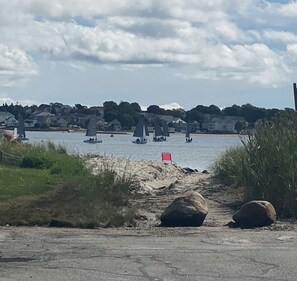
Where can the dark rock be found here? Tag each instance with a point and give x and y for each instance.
(205, 172)
(255, 214)
(189, 170)
(187, 210)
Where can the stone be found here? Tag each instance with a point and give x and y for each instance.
(189, 209)
(255, 214)
(189, 170)
(205, 172)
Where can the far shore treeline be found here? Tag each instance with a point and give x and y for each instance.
(126, 114)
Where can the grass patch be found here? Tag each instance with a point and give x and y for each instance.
(50, 187)
(16, 182)
(266, 164)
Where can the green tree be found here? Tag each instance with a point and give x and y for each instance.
(234, 110)
(212, 109)
(111, 111)
(136, 107)
(155, 109)
(80, 109)
(194, 115)
(252, 113)
(177, 113)
(127, 121)
(110, 106)
(110, 115)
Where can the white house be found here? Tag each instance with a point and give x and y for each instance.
(222, 124)
(179, 125)
(115, 125)
(10, 122)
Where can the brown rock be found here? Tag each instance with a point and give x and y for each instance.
(255, 214)
(187, 210)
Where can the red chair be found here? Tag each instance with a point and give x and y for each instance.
(166, 156)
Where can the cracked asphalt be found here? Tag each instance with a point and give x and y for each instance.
(204, 253)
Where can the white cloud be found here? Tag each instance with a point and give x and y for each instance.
(16, 67)
(144, 107)
(255, 63)
(6, 99)
(171, 106)
(216, 39)
(280, 36)
(287, 9)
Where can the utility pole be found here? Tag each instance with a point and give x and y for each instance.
(295, 95)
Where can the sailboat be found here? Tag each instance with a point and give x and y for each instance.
(92, 131)
(188, 137)
(141, 132)
(158, 134)
(165, 130)
(20, 130)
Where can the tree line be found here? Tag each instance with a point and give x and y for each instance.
(128, 113)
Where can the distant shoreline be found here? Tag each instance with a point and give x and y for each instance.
(110, 132)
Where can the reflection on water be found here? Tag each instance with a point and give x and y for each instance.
(198, 154)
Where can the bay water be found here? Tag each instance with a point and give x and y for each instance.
(199, 154)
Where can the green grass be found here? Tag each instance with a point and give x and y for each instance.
(230, 166)
(15, 182)
(49, 187)
(266, 164)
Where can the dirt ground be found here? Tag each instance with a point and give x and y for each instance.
(158, 183)
(221, 203)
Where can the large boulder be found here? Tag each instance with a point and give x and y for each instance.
(255, 214)
(189, 209)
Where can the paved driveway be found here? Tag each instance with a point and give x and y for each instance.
(204, 253)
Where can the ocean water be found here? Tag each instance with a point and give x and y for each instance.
(199, 154)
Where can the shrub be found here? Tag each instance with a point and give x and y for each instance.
(266, 165)
(230, 166)
(33, 161)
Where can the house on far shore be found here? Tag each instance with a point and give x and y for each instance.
(5, 115)
(10, 122)
(114, 125)
(30, 123)
(101, 124)
(179, 125)
(222, 124)
(195, 127)
(44, 118)
(59, 122)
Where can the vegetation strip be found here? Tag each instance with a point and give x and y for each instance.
(50, 187)
(266, 164)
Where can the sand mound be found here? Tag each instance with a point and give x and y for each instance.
(149, 176)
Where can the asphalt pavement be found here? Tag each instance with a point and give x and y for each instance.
(206, 253)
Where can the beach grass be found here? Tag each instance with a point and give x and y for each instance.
(49, 187)
(266, 164)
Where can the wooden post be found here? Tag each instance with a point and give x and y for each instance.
(295, 95)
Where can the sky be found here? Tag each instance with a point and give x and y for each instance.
(153, 52)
